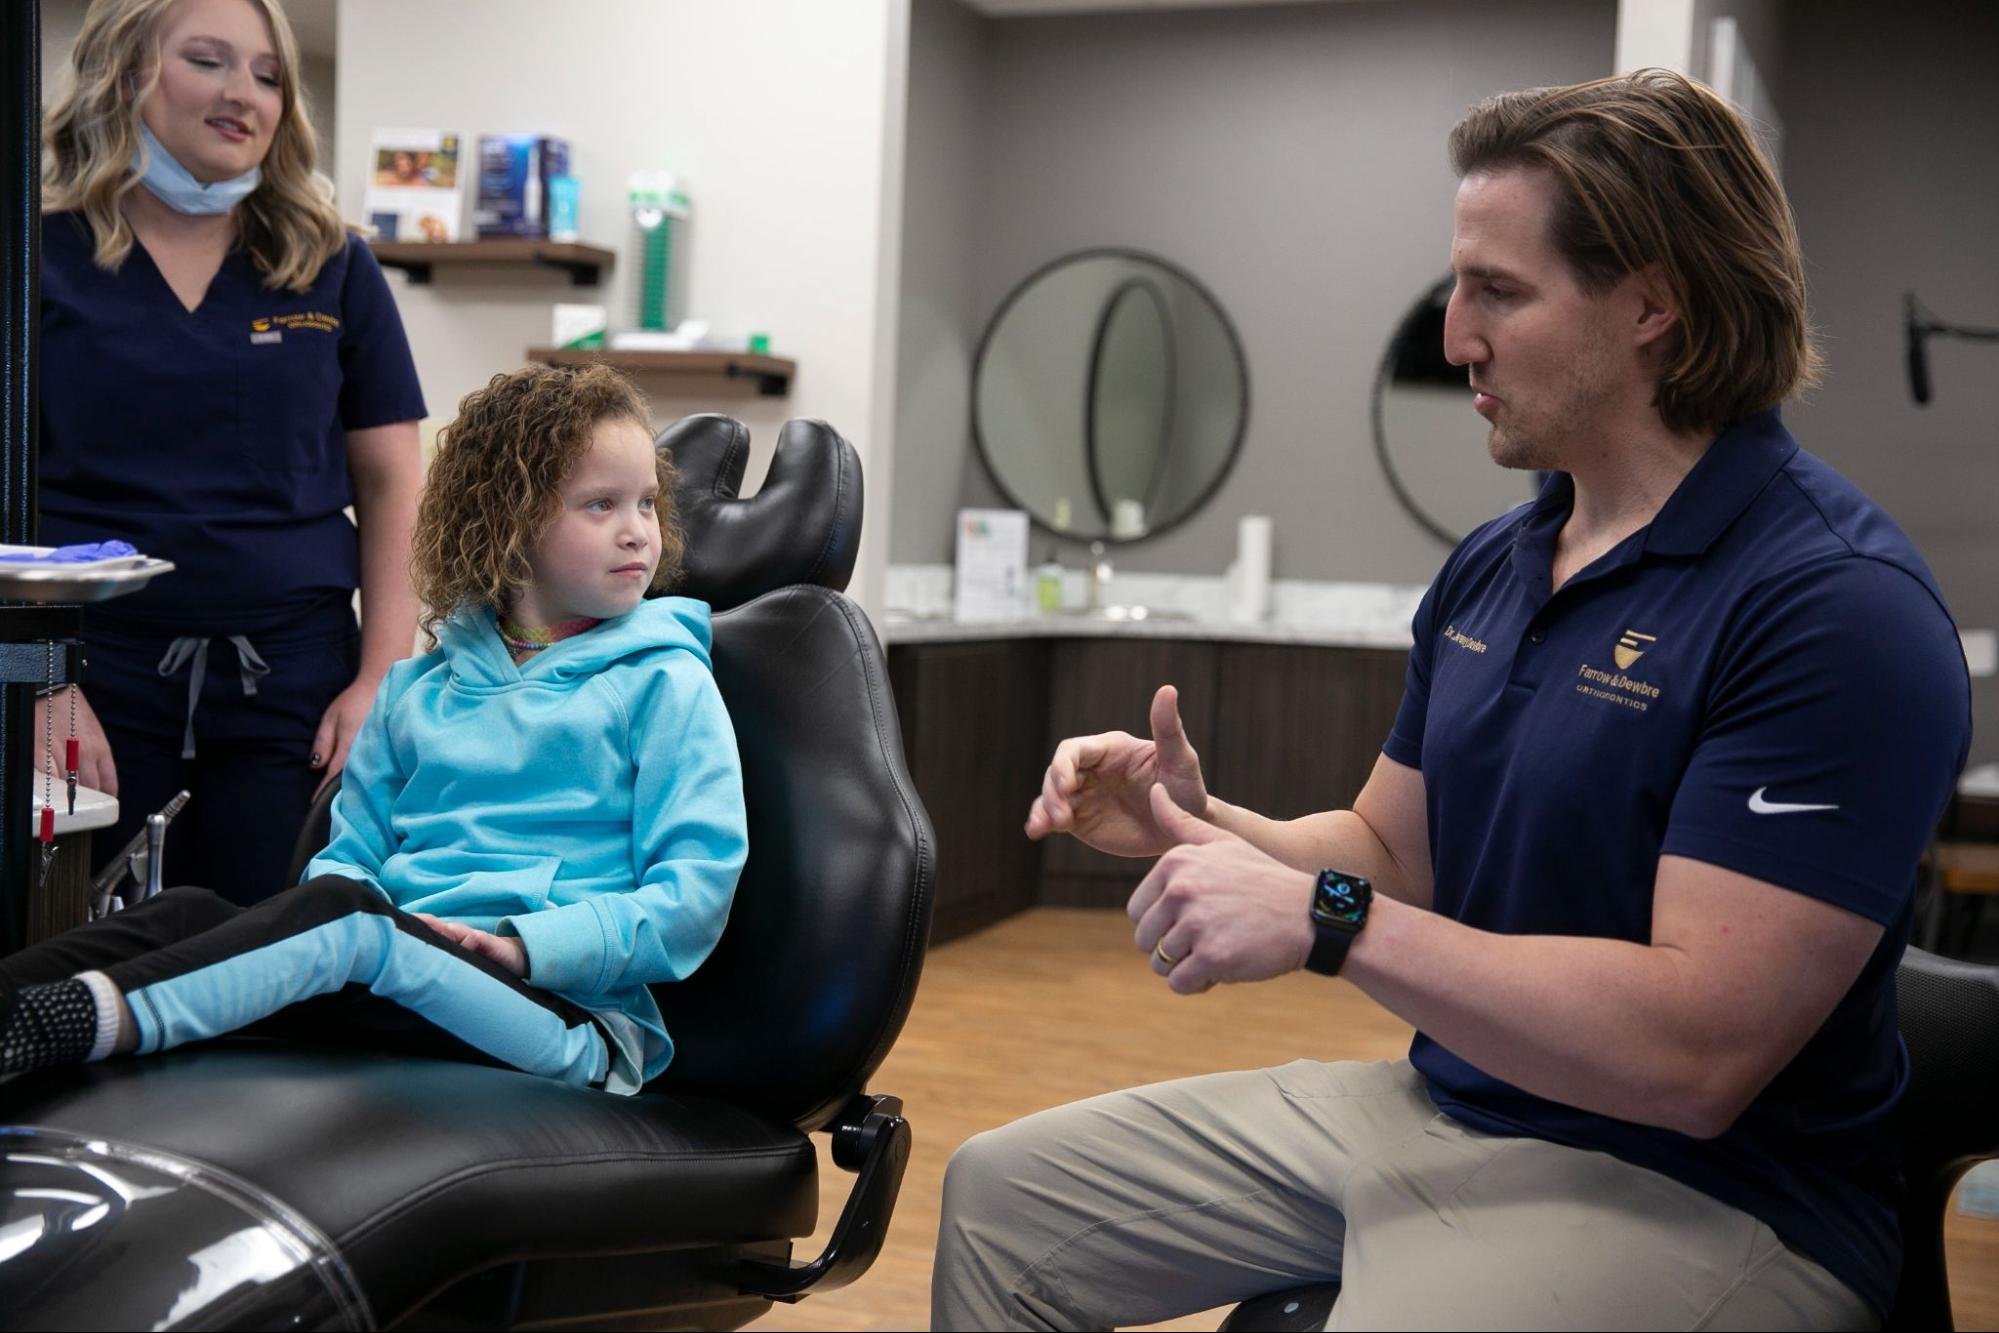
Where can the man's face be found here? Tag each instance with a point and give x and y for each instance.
(1546, 363)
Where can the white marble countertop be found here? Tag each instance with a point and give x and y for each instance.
(1333, 615)
(905, 629)
(1980, 781)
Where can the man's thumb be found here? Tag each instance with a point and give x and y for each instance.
(1168, 732)
(1176, 823)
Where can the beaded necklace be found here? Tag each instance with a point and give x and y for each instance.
(534, 638)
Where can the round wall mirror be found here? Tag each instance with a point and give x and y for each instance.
(1109, 396)
(1431, 444)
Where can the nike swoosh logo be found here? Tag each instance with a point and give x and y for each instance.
(1763, 807)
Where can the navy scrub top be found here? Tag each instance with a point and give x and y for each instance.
(1766, 679)
(214, 438)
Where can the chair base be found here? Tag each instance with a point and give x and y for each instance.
(679, 1289)
(1295, 1310)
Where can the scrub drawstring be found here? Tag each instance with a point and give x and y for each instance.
(183, 651)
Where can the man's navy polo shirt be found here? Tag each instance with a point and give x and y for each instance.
(214, 438)
(1765, 679)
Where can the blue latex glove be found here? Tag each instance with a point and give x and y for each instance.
(81, 553)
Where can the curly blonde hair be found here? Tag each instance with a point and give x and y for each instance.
(288, 225)
(496, 484)
(1653, 168)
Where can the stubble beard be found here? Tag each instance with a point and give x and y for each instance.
(1544, 442)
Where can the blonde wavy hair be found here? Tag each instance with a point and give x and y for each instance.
(288, 225)
(495, 484)
(1653, 168)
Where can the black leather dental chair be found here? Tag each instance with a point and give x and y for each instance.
(246, 1183)
(1948, 1122)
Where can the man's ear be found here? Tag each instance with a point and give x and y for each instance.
(1658, 311)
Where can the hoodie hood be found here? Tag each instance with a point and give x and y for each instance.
(478, 660)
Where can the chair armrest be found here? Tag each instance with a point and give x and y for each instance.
(870, 1137)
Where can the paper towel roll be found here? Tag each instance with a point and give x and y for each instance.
(1127, 520)
(1252, 568)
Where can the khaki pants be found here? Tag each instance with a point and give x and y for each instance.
(1155, 1202)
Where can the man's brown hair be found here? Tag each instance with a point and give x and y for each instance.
(496, 483)
(1651, 168)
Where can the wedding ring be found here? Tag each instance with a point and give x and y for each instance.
(1159, 952)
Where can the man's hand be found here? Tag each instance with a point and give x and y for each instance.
(94, 768)
(505, 950)
(1218, 908)
(1099, 787)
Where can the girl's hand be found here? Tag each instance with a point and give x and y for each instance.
(339, 727)
(93, 750)
(505, 950)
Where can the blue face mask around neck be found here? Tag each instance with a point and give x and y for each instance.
(175, 187)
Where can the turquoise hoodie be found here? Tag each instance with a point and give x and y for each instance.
(589, 802)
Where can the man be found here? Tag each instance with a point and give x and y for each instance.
(1636, 860)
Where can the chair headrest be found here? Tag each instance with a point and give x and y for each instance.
(802, 526)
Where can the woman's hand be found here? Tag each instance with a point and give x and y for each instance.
(505, 950)
(93, 750)
(339, 727)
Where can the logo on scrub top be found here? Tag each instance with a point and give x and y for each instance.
(1632, 647)
(271, 328)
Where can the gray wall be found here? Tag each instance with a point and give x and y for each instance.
(1893, 170)
(1292, 158)
(940, 319)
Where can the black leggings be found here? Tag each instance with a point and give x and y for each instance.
(328, 961)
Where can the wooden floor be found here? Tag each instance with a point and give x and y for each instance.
(1054, 1005)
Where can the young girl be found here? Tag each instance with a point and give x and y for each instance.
(538, 818)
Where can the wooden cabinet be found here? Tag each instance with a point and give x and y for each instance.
(1281, 729)
(973, 718)
(1107, 685)
(1298, 729)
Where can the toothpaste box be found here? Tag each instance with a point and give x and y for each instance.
(514, 171)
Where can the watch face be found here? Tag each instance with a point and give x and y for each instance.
(1341, 900)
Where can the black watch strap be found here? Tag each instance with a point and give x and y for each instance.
(1339, 910)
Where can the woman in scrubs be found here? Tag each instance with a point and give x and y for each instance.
(223, 374)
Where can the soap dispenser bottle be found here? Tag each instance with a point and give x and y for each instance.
(1048, 585)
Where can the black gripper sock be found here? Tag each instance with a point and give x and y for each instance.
(50, 1025)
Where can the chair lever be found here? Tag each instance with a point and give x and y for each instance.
(869, 1137)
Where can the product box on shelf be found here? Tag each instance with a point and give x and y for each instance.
(414, 190)
(514, 172)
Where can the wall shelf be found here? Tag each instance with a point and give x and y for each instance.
(585, 264)
(728, 374)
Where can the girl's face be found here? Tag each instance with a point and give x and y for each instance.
(597, 557)
(219, 97)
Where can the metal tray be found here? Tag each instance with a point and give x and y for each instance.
(91, 581)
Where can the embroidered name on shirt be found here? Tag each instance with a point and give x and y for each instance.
(269, 328)
(1463, 640)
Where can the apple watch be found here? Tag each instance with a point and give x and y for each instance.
(1339, 910)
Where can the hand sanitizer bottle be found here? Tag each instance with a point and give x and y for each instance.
(1048, 585)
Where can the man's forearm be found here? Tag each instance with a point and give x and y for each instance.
(1593, 1023)
(1340, 839)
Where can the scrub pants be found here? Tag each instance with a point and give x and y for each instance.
(251, 726)
(328, 961)
(1142, 1205)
